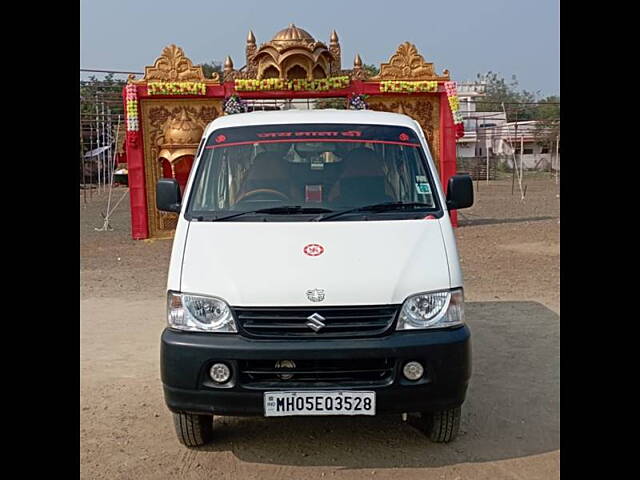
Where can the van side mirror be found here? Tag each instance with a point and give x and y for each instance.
(459, 192)
(168, 196)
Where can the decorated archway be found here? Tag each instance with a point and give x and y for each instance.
(168, 109)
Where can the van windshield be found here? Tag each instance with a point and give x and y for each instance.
(313, 168)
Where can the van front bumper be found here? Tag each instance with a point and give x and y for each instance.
(186, 358)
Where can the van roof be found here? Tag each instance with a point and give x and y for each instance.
(330, 115)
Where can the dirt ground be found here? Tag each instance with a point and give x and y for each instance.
(511, 420)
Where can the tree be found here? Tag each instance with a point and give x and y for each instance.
(498, 91)
(547, 114)
(371, 70)
(107, 91)
(211, 67)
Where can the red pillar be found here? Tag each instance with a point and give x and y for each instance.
(137, 190)
(447, 148)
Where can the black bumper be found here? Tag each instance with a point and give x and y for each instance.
(186, 358)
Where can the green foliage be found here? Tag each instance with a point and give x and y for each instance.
(521, 106)
(211, 67)
(548, 108)
(94, 91)
(337, 103)
(548, 116)
(498, 91)
(371, 70)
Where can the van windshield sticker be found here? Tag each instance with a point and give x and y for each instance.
(296, 133)
(350, 133)
(423, 188)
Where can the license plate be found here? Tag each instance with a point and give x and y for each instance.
(283, 404)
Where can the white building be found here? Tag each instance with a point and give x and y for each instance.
(489, 135)
(469, 146)
(521, 141)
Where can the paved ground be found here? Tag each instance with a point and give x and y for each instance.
(510, 427)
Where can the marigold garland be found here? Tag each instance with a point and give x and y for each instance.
(408, 87)
(132, 120)
(452, 97)
(297, 85)
(132, 108)
(176, 88)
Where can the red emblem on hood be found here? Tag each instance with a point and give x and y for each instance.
(313, 249)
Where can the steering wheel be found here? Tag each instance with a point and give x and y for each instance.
(268, 191)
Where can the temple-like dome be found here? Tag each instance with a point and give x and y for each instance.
(292, 34)
(292, 54)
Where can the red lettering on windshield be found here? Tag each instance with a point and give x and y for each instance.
(352, 133)
(274, 134)
(316, 134)
(349, 133)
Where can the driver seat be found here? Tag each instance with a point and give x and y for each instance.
(268, 171)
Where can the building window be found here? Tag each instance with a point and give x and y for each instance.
(528, 151)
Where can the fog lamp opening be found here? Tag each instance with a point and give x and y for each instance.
(220, 373)
(413, 370)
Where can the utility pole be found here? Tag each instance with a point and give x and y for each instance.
(557, 156)
(97, 138)
(513, 169)
(487, 145)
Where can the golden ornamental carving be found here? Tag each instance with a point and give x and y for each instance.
(173, 66)
(228, 73)
(334, 49)
(180, 137)
(291, 54)
(292, 34)
(173, 129)
(358, 73)
(425, 110)
(408, 64)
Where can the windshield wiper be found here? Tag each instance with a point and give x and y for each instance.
(284, 210)
(376, 207)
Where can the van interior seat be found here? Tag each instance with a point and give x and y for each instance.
(268, 171)
(363, 180)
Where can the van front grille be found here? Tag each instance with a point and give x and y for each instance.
(325, 373)
(327, 322)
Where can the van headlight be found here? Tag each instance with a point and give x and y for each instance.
(199, 314)
(432, 310)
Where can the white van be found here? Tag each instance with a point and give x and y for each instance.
(314, 271)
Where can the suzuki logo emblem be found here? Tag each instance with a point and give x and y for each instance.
(315, 295)
(315, 322)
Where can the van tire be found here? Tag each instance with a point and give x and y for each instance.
(193, 430)
(442, 426)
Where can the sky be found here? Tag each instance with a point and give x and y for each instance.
(467, 37)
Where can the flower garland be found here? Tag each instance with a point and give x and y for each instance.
(408, 87)
(234, 104)
(357, 102)
(299, 84)
(452, 96)
(176, 88)
(133, 122)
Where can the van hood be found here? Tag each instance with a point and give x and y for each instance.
(362, 263)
